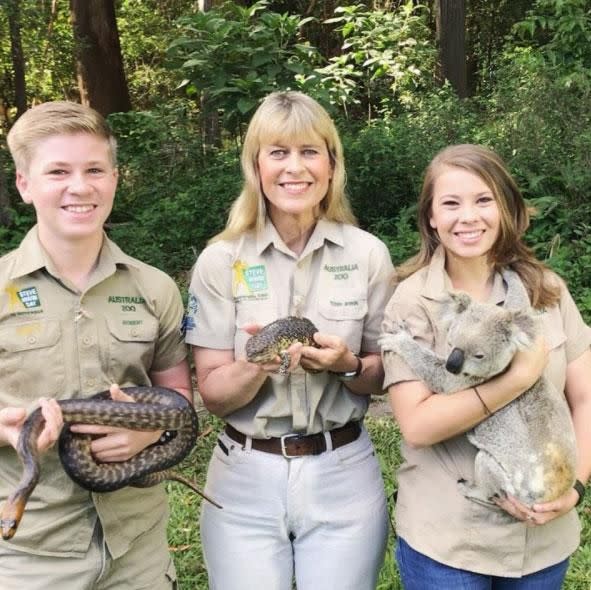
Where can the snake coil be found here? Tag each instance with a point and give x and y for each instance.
(155, 408)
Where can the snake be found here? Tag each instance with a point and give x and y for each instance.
(155, 408)
(275, 338)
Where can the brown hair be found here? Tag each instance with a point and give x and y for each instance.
(509, 249)
(281, 116)
(55, 118)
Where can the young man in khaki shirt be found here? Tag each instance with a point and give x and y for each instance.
(76, 316)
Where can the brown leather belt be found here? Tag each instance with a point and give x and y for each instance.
(299, 445)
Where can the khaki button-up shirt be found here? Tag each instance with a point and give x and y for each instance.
(431, 513)
(341, 281)
(58, 342)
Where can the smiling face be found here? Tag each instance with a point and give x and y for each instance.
(464, 213)
(295, 175)
(71, 182)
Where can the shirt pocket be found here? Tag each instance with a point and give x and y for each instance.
(131, 349)
(32, 360)
(342, 314)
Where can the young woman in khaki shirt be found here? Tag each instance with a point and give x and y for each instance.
(471, 218)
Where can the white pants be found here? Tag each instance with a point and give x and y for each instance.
(321, 518)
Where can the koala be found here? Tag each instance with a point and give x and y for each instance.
(527, 448)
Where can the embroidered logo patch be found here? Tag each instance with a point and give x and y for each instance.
(248, 280)
(190, 320)
(29, 297)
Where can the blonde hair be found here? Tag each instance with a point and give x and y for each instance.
(286, 116)
(509, 250)
(55, 118)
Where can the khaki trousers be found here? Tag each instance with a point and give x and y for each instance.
(146, 566)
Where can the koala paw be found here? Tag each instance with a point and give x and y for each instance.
(394, 327)
(394, 335)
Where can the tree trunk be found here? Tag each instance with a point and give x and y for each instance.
(451, 28)
(5, 217)
(18, 60)
(101, 78)
(210, 122)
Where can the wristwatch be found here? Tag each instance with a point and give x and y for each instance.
(350, 375)
(580, 488)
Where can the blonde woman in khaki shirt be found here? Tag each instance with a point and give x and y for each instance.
(471, 220)
(294, 468)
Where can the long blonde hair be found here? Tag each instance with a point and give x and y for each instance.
(286, 116)
(509, 249)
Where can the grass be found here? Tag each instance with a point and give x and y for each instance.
(183, 529)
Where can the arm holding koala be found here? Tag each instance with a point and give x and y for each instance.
(578, 394)
(426, 418)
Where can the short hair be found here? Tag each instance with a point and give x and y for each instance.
(287, 115)
(55, 118)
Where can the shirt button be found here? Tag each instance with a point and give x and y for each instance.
(90, 382)
(87, 340)
(134, 332)
(32, 339)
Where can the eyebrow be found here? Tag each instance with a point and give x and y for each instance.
(459, 196)
(63, 163)
(282, 145)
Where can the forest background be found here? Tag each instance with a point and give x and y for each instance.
(179, 80)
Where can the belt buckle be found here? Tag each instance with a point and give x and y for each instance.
(284, 450)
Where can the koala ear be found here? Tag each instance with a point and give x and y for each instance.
(524, 328)
(455, 304)
(461, 301)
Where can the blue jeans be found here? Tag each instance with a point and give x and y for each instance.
(419, 572)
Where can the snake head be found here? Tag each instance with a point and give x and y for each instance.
(11, 516)
(9, 526)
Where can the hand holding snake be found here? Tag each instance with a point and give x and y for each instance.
(156, 408)
(116, 443)
(12, 420)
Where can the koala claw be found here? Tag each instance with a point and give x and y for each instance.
(388, 342)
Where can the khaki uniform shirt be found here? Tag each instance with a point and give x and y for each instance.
(431, 514)
(341, 282)
(60, 343)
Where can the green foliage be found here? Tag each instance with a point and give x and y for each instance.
(562, 238)
(386, 160)
(47, 43)
(145, 29)
(537, 114)
(171, 197)
(561, 30)
(386, 57)
(236, 56)
(23, 218)
(400, 234)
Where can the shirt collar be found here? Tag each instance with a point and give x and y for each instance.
(324, 231)
(31, 256)
(438, 283)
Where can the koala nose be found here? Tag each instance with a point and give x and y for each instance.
(455, 361)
